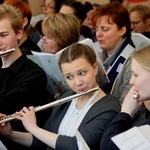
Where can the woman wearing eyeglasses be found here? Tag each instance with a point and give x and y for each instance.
(140, 19)
(49, 7)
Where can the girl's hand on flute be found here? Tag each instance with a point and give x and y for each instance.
(28, 118)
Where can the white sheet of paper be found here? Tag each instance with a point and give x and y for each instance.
(145, 129)
(132, 139)
(2, 147)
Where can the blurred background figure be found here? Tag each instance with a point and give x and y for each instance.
(49, 7)
(140, 19)
(88, 21)
(80, 11)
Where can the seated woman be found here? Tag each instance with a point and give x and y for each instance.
(89, 114)
(48, 7)
(140, 66)
(60, 31)
(114, 39)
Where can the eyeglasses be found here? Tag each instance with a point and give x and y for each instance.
(47, 40)
(134, 23)
(47, 6)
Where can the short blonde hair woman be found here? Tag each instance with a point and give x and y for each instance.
(60, 30)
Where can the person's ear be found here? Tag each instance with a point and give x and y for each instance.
(95, 67)
(19, 34)
(25, 21)
(147, 21)
(123, 31)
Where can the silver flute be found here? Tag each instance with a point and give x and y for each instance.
(55, 103)
(7, 51)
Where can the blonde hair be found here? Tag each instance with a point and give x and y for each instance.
(13, 14)
(142, 57)
(63, 28)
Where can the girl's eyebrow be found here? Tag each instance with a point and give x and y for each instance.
(3, 32)
(77, 71)
(66, 74)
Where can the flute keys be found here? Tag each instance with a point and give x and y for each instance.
(7, 118)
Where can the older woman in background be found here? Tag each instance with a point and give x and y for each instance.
(49, 7)
(114, 38)
(140, 19)
(60, 31)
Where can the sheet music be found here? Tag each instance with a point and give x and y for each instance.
(49, 63)
(144, 129)
(132, 139)
(2, 147)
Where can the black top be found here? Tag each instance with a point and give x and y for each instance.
(120, 123)
(28, 45)
(22, 84)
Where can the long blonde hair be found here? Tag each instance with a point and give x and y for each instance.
(142, 57)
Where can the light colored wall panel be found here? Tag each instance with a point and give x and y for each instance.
(35, 6)
(97, 1)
